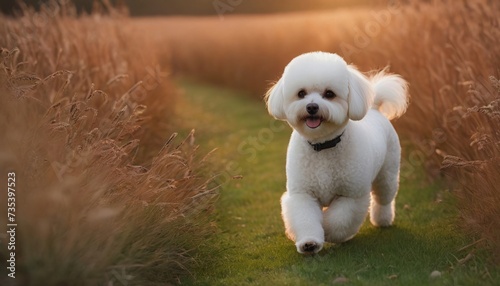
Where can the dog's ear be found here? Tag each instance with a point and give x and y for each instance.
(275, 99)
(361, 94)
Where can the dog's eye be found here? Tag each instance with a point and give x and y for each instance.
(302, 93)
(329, 94)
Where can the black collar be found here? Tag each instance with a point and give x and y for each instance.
(327, 144)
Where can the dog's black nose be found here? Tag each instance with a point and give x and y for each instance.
(312, 108)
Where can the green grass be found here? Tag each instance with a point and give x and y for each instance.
(250, 247)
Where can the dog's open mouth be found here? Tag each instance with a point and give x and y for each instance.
(313, 121)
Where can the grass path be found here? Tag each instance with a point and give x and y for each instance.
(250, 248)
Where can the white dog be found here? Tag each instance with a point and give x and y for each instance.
(342, 148)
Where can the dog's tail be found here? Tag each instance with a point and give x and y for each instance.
(391, 94)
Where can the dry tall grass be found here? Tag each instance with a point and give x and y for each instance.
(99, 199)
(447, 50)
(477, 176)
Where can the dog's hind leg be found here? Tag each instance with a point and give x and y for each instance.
(302, 216)
(343, 218)
(383, 195)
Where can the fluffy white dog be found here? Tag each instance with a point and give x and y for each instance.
(343, 148)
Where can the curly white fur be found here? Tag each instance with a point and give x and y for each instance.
(330, 192)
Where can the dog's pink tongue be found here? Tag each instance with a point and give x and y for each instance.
(313, 122)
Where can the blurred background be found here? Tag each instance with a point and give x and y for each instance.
(206, 7)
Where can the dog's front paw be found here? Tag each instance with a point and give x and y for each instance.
(309, 246)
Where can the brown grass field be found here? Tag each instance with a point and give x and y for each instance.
(108, 193)
(85, 101)
(447, 50)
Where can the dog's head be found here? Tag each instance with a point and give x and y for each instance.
(318, 94)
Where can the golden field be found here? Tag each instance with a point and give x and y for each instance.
(447, 50)
(107, 194)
